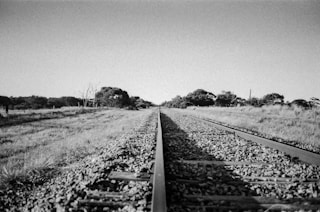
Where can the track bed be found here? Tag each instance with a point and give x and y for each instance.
(208, 169)
(205, 169)
(116, 178)
(124, 184)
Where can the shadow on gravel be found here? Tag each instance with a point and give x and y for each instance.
(188, 183)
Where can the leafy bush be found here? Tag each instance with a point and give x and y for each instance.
(137, 102)
(29, 102)
(65, 101)
(107, 96)
(69, 101)
(177, 102)
(273, 98)
(55, 102)
(301, 103)
(200, 97)
(256, 102)
(37, 102)
(225, 99)
(112, 97)
(4, 100)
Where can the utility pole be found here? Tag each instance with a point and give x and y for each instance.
(250, 95)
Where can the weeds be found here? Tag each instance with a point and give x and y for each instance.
(39, 149)
(8, 175)
(18, 117)
(288, 123)
(26, 172)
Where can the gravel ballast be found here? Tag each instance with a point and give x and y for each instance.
(250, 169)
(88, 180)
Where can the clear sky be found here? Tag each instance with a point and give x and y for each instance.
(160, 49)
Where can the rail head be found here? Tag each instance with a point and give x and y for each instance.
(159, 203)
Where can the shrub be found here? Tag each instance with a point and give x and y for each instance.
(112, 97)
(301, 103)
(200, 97)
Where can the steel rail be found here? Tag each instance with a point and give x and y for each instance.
(303, 155)
(159, 203)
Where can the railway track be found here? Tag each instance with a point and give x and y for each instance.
(293, 151)
(120, 179)
(176, 162)
(124, 189)
(196, 165)
(212, 169)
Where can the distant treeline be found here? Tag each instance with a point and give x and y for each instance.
(37, 102)
(107, 96)
(202, 97)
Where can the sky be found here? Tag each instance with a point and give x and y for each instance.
(160, 49)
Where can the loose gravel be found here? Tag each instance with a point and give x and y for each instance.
(242, 168)
(254, 174)
(299, 144)
(79, 183)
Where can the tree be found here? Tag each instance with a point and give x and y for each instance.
(65, 101)
(301, 103)
(238, 101)
(29, 102)
(314, 101)
(19, 103)
(5, 101)
(70, 101)
(254, 101)
(112, 97)
(273, 98)
(178, 102)
(37, 102)
(200, 97)
(55, 102)
(225, 99)
(137, 102)
(87, 94)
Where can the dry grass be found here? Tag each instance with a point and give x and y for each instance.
(49, 144)
(16, 117)
(288, 123)
(42, 111)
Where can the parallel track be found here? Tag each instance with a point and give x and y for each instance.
(294, 152)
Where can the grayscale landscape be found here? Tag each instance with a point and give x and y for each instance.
(159, 105)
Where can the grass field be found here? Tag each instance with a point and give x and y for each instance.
(21, 116)
(49, 144)
(289, 123)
